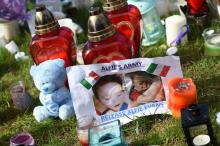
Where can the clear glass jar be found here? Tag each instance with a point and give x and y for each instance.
(152, 27)
(108, 134)
(212, 41)
(153, 30)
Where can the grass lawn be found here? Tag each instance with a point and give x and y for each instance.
(154, 130)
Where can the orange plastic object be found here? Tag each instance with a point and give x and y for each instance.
(182, 93)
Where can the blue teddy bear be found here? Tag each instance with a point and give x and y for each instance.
(49, 78)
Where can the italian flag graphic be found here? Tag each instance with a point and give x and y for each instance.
(89, 81)
(158, 69)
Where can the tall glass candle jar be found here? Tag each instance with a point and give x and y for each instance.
(127, 20)
(153, 30)
(105, 43)
(51, 41)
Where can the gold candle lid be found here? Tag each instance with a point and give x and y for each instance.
(99, 26)
(44, 20)
(111, 5)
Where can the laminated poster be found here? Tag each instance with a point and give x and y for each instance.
(122, 90)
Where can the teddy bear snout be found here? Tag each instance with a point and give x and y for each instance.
(45, 89)
(48, 87)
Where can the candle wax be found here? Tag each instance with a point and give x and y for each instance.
(201, 140)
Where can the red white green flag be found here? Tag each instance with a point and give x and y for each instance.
(158, 69)
(89, 81)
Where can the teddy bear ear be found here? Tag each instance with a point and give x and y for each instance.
(59, 62)
(32, 70)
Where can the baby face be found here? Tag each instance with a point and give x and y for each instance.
(112, 95)
(140, 84)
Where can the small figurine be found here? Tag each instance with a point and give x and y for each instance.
(49, 78)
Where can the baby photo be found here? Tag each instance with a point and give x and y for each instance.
(123, 90)
(113, 93)
(144, 88)
(109, 95)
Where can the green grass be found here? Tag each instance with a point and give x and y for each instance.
(154, 130)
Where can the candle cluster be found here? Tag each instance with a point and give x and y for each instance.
(115, 34)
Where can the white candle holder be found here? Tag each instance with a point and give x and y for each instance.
(173, 25)
(12, 47)
(172, 51)
(21, 56)
(9, 29)
(3, 41)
